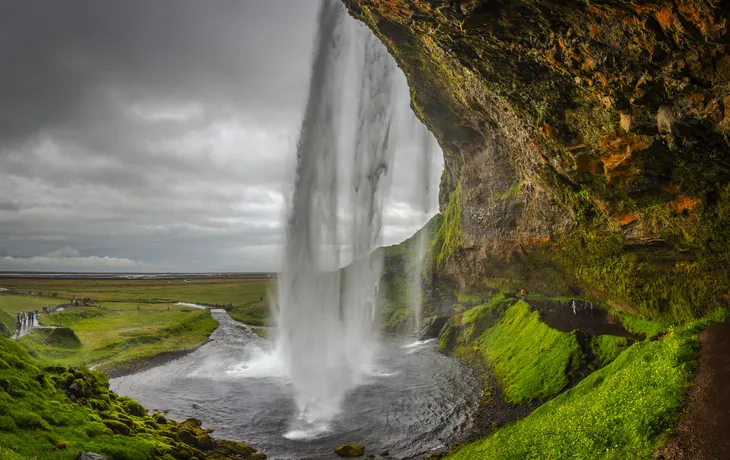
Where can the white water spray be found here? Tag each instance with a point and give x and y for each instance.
(327, 317)
(423, 171)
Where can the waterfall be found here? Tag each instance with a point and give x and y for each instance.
(327, 307)
(327, 317)
(423, 171)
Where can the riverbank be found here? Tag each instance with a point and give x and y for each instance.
(54, 412)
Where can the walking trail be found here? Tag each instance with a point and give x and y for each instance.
(704, 430)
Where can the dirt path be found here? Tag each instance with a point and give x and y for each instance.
(704, 430)
(591, 320)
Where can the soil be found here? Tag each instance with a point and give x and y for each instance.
(704, 430)
(145, 363)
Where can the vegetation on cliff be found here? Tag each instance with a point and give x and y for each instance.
(53, 412)
(624, 410)
(586, 140)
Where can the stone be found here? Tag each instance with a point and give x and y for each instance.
(350, 450)
(90, 456)
(432, 327)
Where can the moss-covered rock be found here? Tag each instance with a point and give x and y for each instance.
(585, 144)
(59, 408)
(350, 450)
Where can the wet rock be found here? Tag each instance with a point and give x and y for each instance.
(195, 406)
(385, 453)
(90, 456)
(432, 327)
(350, 450)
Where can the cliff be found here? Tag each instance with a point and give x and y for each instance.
(585, 143)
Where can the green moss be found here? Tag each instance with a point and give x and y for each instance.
(396, 310)
(41, 420)
(530, 359)
(608, 347)
(644, 326)
(469, 299)
(449, 237)
(624, 410)
(513, 191)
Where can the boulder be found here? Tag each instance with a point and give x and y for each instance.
(432, 327)
(350, 450)
(90, 456)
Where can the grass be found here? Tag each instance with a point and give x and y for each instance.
(38, 420)
(637, 325)
(449, 237)
(608, 347)
(8, 323)
(112, 333)
(531, 360)
(119, 338)
(236, 290)
(624, 410)
(14, 303)
(255, 314)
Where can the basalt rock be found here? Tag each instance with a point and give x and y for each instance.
(432, 326)
(585, 143)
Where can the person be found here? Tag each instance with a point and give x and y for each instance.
(137, 307)
(574, 307)
(522, 294)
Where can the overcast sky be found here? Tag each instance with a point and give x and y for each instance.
(157, 135)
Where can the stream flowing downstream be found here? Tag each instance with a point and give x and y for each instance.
(413, 401)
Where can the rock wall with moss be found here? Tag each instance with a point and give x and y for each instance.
(585, 142)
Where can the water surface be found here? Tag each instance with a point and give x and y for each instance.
(414, 400)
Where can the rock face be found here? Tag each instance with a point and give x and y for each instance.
(585, 143)
(432, 326)
(89, 456)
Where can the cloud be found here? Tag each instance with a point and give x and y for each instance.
(159, 133)
(69, 259)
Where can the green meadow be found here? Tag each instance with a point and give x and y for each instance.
(128, 322)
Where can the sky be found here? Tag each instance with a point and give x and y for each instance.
(159, 135)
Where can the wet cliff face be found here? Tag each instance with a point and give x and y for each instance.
(586, 142)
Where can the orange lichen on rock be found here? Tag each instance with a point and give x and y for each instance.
(685, 203)
(587, 163)
(617, 148)
(665, 18)
(625, 219)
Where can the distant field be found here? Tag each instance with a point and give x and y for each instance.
(237, 290)
(111, 333)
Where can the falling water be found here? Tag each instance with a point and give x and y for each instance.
(327, 317)
(423, 179)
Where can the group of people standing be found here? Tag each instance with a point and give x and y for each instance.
(29, 318)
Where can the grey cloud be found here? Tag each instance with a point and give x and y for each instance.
(156, 135)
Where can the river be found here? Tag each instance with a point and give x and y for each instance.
(413, 402)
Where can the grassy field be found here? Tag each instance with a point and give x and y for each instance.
(116, 339)
(236, 290)
(624, 410)
(112, 333)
